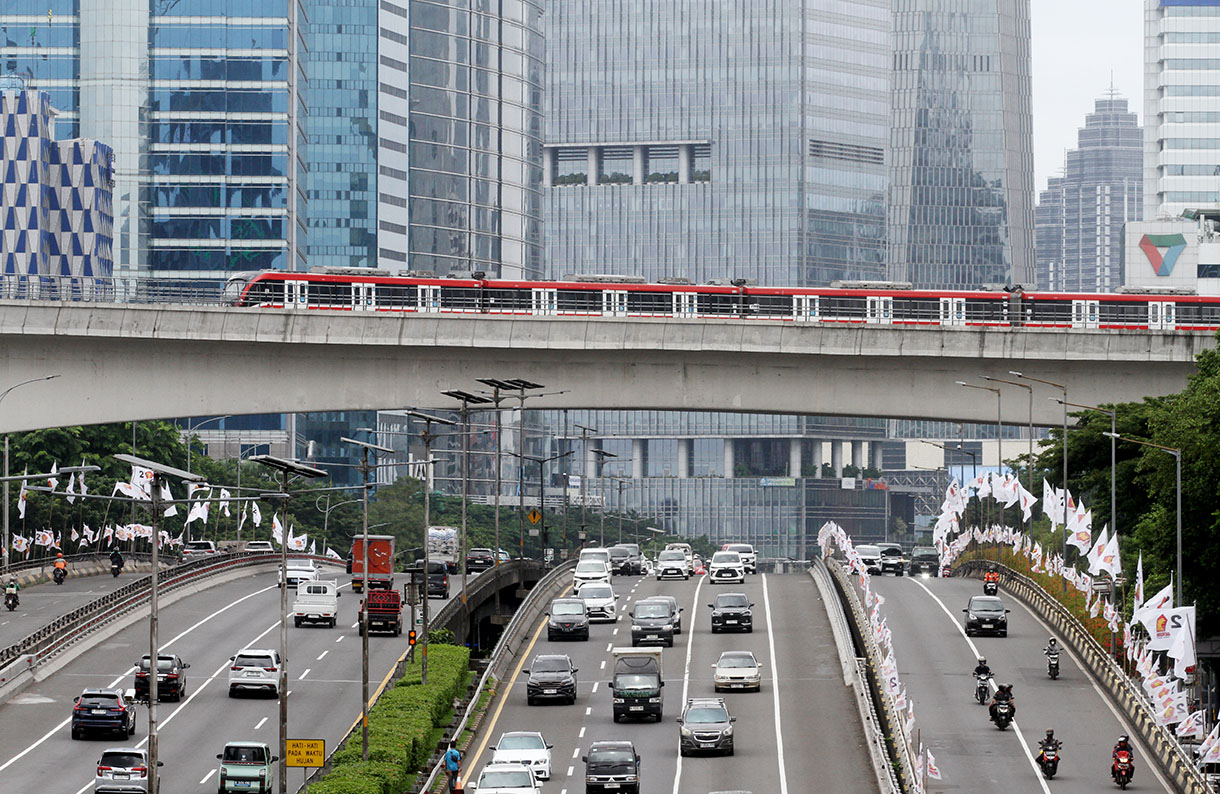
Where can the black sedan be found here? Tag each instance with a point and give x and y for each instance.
(551, 677)
(171, 677)
(480, 560)
(107, 710)
(986, 614)
(568, 619)
(732, 612)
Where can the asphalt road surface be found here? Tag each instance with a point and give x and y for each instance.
(37, 752)
(936, 660)
(42, 603)
(800, 734)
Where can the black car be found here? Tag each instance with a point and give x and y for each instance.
(732, 612)
(171, 677)
(620, 560)
(103, 710)
(986, 614)
(551, 677)
(706, 726)
(652, 622)
(892, 560)
(612, 766)
(438, 577)
(480, 560)
(924, 559)
(568, 619)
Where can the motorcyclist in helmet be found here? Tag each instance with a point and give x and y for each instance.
(1123, 745)
(116, 558)
(11, 588)
(60, 562)
(1003, 695)
(1052, 646)
(992, 575)
(982, 668)
(1048, 743)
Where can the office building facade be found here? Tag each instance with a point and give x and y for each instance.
(1080, 216)
(1181, 106)
(200, 101)
(55, 202)
(961, 151)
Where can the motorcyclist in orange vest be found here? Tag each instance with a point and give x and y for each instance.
(60, 562)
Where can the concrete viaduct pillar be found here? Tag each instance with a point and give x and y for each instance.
(815, 458)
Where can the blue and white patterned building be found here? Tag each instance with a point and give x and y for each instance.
(56, 217)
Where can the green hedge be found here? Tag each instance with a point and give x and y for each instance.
(401, 725)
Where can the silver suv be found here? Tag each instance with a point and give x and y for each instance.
(706, 725)
(121, 770)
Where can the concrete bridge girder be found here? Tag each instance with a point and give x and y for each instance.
(131, 362)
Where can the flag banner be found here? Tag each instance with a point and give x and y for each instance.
(141, 482)
(255, 514)
(71, 489)
(332, 554)
(1192, 726)
(53, 481)
(224, 502)
(1164, 625)
(1162, 599)
(168, 497)
(21, 499)
(933, 770)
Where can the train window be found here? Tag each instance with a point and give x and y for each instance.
(722, 304)
(772, 305)
(652, 303)
(460, 299)
(265, 292)
(842, 307)
(1051, 312)
(397, 296)
(916, 310)
(507, 300)
(331, 295)
(579, 301)
(1123, 313)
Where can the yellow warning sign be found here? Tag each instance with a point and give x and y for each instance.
(306, 752)
(534, 516)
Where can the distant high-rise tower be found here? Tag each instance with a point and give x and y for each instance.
(1080, 216)
(1181, 106)
(961, 150)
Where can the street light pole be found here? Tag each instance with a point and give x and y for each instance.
(365, 470)
(467, 399)
(999, 426)
(1113, 414)
(1030, 459)
(602, 454)
(1061, 387)
(1177, 455)
(584, 476)
(3, 394)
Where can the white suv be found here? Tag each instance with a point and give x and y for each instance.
(749, 558)
(671, 562)
(255, 668)
(588, 571)
(726, 566)
(299, 571)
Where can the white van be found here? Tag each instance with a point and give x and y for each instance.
(599, 554)
(316, 602)
(685, 549)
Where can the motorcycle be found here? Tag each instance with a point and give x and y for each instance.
(59, 574)
(1003, 715)
(1048, 761)
(982, 689)
(989, 588)
(1124, 769)
(1052, 664)
(116, 569)
(10, 601)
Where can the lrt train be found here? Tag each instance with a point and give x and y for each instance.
(859, 302)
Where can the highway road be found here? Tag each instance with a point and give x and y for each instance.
(803, 700)
(37, 752)
(42, 603)
(936, 661)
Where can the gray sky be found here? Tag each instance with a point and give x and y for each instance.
(1077, 44)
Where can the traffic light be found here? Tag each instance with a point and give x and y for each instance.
(411, 638)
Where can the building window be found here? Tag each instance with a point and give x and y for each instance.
(571, 167)
(618, 165)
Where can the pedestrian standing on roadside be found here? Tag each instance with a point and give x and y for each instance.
(453, 765)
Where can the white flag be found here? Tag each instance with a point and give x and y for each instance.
(332, 553)
(1182, 651)
(1052, 507)
(21, 499)
(1027, 500)
(241, 518)
(1164, 625)
(53, 481)
(224, 502)
(255, 514)
(1138, 600)
(313, 548)
(71, 489)
(1206, 749)
(277, 531)
(933, 771)
(1162, 599)
(81, 481)
(199, 510)
(168, 497)
(1099, 546)
(141, 481)
(1192, 726)
(75, 535)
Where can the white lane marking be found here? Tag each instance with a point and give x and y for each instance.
(582, 732)
(339, 638)
(609, 647)
(322, 655)
(603, 664)
(575, 752)
(304, 673)
(779, 731)
(131, 670)
(571, 769)
(260, 723)
(615, 632)
(207, 776)
(356, 624)
(595, 683)
(588, 710)
(686, 678)
(1122, 721)
(1016, 728)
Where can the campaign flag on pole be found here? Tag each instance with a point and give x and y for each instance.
(1192, 726)
(1164, 625)
(933, 770)
(1207, 751)
(332, 553)
(80, 482)
(1138, 600)
(71, 489)
(21, 499)
(1099, 545)
(53, 481)
(313, 547)
(277, 531)
(241, 518)
(199, 510)
(255, 514)
(141, 481)
(224, 502)
(1162, 599)
(21, 543)
(1051, 505)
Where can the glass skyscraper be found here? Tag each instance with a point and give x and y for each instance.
(200, 101)
(961, 151)
(1079, 218)
(1181, 106)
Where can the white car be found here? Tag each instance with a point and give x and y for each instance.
(737, 670)
(595, 554)
(870, 558)
(726, 566)
(255, 668)
(671, 562)
(524, 747)
(196, 549)
(259, 547)
(589, 571)
(122, 770)
(299, 571)
(507, 779)
(749, 557)
(600, 602)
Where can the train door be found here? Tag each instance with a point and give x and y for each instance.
(1085, 313)
(1162, 315)
(296, 294)
(544, 301)
(952, 311)
(429, 298)
(805, 308)
(880, 310)
(614, 303)
(684, 304)
(364, 297)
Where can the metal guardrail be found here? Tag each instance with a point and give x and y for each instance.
(1174, 759)
(71, 626)
(81, 557)
(505, 652)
